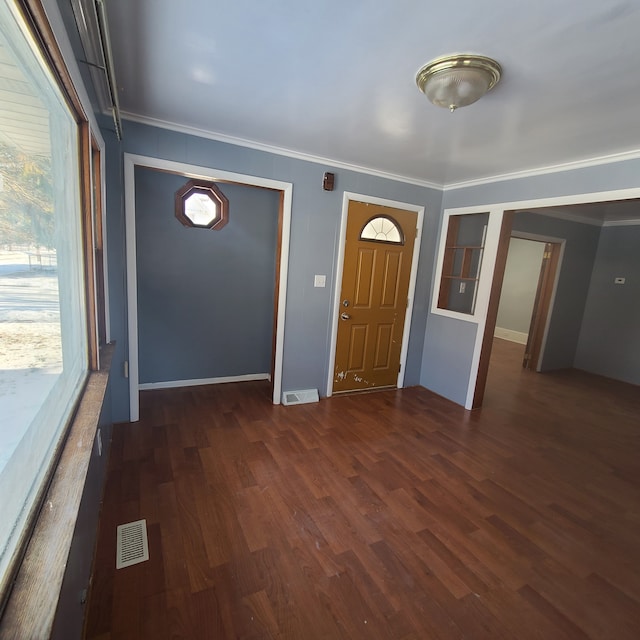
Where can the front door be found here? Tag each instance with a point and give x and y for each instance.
(373, 298)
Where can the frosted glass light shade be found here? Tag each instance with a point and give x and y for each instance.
(458, 81)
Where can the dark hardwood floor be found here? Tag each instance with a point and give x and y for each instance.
(391, 515)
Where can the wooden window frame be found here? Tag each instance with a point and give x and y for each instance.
(470, 254)
(209, 189)
(29, 606)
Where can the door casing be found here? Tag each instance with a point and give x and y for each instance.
(337, 283)
(543, 305)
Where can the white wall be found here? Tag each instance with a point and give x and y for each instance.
(519, 289)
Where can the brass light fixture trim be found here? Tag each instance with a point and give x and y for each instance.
(458, 80)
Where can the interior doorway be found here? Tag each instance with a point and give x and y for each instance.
(132, 161)
(526, 296)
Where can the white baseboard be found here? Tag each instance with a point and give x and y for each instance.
(171, 384)
(512, 336)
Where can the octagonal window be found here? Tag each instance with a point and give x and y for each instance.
(202, 204)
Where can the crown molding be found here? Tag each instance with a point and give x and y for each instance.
(308, 157)
(540, 171)
(621, 223)
(558, 214)
(281, 151)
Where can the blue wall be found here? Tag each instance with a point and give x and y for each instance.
(205, 298)
(313, 249)
(610, 337)
(446, 360)
(440, 349)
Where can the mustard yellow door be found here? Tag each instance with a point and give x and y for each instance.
(373, 298)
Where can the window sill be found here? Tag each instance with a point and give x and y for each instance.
(31, 607)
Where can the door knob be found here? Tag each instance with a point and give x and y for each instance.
(345, 316)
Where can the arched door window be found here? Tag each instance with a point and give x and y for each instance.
(382, 229)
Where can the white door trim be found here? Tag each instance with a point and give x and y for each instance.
(419, 210)
(131, 161)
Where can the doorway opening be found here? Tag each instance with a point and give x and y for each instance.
(578, 225)
(281, 260)
(526, 298)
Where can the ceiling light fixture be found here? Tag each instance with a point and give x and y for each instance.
(458, 80)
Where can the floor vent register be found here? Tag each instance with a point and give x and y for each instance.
(132, 546)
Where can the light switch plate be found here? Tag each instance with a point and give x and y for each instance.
(319, 281)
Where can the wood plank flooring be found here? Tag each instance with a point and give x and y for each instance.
(390, 515)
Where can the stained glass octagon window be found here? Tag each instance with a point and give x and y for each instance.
(202, 204)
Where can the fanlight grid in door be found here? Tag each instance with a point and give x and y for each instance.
(382, 229)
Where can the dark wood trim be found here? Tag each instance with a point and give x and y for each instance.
(526, 361)
(542, 304)
(209, 189)
(45, 540)
(448, 261)
(86, 202)
(31, 607)
(96, 158)
(492, 310)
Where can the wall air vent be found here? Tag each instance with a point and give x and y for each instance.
(300, 397)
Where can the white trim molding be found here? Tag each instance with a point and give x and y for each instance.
(341, 164)
(419, 211)
(276, 150)
(519, 337)
(131, 161)
(198, 382)
(621, 223)
(483, 285)
(539, 171)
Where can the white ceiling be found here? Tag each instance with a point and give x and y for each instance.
(336, 79)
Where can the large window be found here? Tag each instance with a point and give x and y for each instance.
(43, 320)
